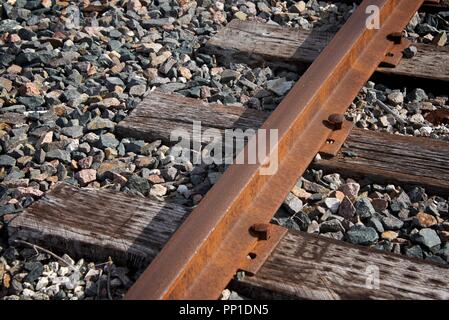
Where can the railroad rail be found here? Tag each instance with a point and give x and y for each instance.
(230, 231)
(217, 237)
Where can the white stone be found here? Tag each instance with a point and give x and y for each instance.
(384, 121)
(63, 271)
(426, 130)
(183, 190)
(73, 145)
(225, 294)
(92, 273)
(396, 97)
(46, 138)
(52, 290)
(42, 283)
(332, 204)
(314, 227)
(219, 5)
(28, 293)
(60, 280)
(417, 118)
(158, 190)
(79, 292)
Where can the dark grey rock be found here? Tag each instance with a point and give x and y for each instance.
(292, 203)
(334, 235)
(171, 87)
(58, 154)
(108, 140)
(7, 161)
(362, 235)
(35, 271)
(26, 34)
(302, 221)
(73, 132)
(290, 224)
(135, 146)
(402, 201)
(436, 259)
(113, 45)
(384, 246)
(417, 95)
(139, 184)
(425, 28)
(426, 237)
(16, 287)
(112, 82)
(7, 209)
(280, 86)
(70, 94)
(10, 254)
(417, 194)
(248, 84)
(444, 252)
(364, 208)
(374, 222)
(61, 172)
(31, 102)
(39, 156)
(314, 187)
(229, 75)
(167, 66)
(100, 124)
(157, 22)
(169, 174)
(138, 90)
(29, 58)
(414, 251)
(410, 52)
(390, 222)
(331, 226)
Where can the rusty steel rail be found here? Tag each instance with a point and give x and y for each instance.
(230, 223)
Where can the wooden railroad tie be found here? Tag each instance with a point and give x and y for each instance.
(97, 224)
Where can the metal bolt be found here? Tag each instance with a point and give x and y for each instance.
(262, 230)
(336, 120)
(396, 37)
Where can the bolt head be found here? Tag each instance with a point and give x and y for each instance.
(262, 230)
(336, 118)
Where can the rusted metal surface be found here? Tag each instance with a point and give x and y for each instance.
(271, 235)
(215, 240)
(336, 139)
(395, 54)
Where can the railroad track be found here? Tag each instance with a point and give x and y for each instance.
(196, 253)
